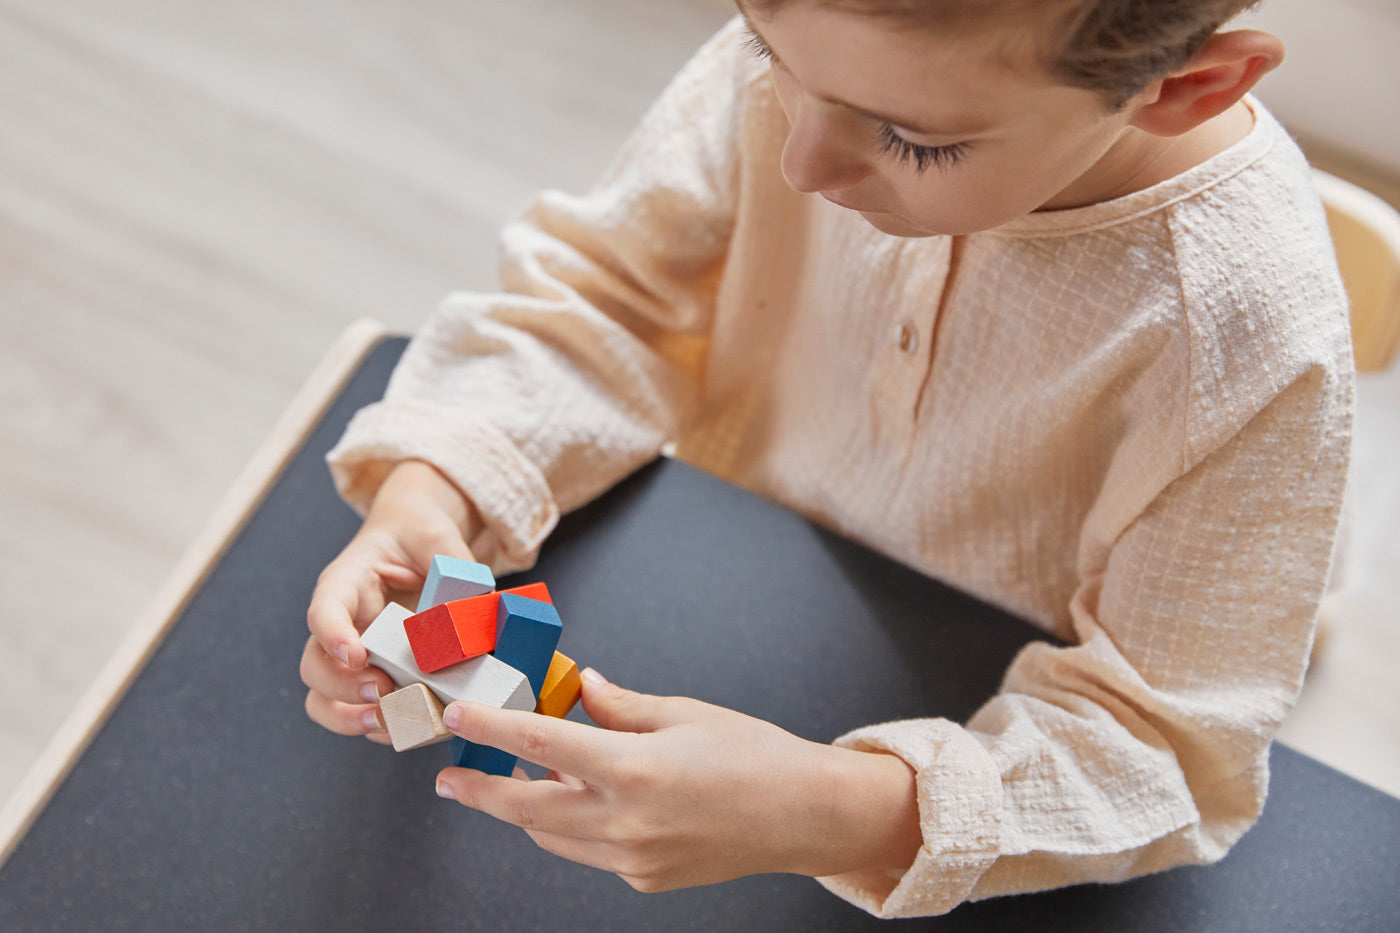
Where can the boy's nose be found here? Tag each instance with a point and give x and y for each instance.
(820, 153)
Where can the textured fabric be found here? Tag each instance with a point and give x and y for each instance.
(1128, 423)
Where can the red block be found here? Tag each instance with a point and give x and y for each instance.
(452, 632)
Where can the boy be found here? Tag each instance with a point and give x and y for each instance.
(1027, 295)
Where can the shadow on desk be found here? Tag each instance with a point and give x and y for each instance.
(210, 802)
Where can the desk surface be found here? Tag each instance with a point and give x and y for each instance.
(209, 801)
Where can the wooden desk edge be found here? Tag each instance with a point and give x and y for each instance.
(240, 502)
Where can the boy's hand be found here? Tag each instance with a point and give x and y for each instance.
(673, 792)
(416, 514)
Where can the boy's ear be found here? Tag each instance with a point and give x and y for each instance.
(1222, 72)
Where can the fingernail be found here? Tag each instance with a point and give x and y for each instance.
(372, 721)
(593, 677)
(445, 792)
(452, 716)
(370, 692)
(343, 652)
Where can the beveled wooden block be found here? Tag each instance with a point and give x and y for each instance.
(413, 717)
(452, 578)
(527, 632)
(450, 633)
(562, 687)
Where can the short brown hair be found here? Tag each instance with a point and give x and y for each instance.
(1113, 47)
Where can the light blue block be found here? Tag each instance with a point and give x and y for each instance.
(527, 632)
(452, 578)
(481, 757)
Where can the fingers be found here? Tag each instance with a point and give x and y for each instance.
(535, 806)
(568, 780)
(347, 598)
(556, 744)
(339, 699)
(328, 676)
(344, 718)
(620, 710)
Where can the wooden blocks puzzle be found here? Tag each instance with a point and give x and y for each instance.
(562, 688)
(469, 642)
(452, 578)
(413, 717)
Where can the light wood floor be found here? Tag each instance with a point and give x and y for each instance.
(195, 198)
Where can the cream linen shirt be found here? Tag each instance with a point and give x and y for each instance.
(1127, 423)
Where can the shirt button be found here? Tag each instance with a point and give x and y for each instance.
(907, 338)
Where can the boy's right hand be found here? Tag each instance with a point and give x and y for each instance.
(416, 514)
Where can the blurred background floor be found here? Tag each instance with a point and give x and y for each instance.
(196, 198)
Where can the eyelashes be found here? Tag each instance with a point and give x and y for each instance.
(756, 46)
(921, 157)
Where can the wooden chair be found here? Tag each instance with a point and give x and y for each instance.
(1366, 234)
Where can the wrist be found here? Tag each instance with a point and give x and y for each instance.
(419, 483)
(871, 814)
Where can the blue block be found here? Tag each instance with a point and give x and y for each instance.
(452, 578)
(527, 632)
(481, 757)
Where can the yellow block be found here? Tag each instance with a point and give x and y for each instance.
(562, 688)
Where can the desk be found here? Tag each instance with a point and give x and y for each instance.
(208, 801)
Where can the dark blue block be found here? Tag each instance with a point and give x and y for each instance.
(527, 632)
(481, 757)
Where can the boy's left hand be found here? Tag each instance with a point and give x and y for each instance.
(672, 792)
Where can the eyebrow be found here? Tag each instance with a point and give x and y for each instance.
(968, 128)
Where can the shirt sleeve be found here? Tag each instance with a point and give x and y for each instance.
(1143, 743)
(535, 400)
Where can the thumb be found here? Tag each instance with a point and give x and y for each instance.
(620, 710)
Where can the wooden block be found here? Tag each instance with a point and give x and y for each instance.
(413, 717)
(382, 641)
(450, 633)
(481, 757)
(527, 632)
(562, 688)
(452, 578)
(532, 591)
(485, 679)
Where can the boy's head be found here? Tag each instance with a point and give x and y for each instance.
(1113, 47)
(951, 116)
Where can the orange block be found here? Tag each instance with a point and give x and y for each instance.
(533, 591)
(452, 632)
(562, 687)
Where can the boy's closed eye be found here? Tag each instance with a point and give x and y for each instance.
(890, 142)
(906, 152)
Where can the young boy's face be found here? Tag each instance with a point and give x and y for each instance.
(926, 134)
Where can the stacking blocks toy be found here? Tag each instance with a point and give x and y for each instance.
(562, 688)
(413, 717)
(452, 632)
(484, 679)
(452, 578)
(469, 642)
(527, 631)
